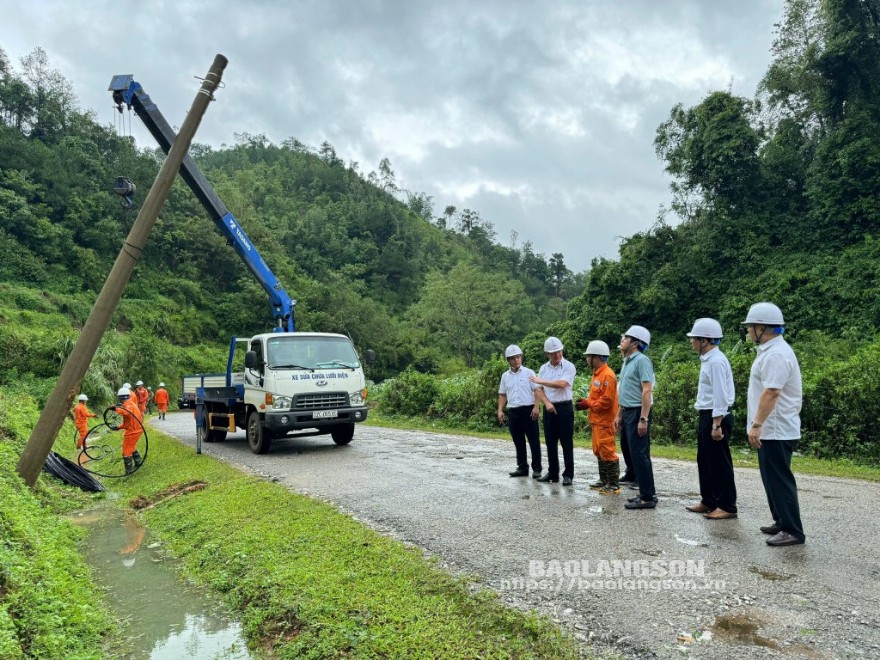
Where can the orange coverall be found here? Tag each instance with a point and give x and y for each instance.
(131, 417)
(161, 399)
(143, 398)
(81, 415)
(602, 404)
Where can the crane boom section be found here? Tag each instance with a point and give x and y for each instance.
(126, 90)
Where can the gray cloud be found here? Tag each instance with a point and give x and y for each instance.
(540, 116)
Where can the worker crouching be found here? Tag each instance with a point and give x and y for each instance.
(132, 429)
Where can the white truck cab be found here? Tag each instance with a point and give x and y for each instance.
(291, 382)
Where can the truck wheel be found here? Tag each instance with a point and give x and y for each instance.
(342, 434)
(259, 438)
(201, 433)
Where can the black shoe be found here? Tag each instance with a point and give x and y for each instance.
(634, 499)
(641, 504)
(519, 472)
(771, 529)
(536, 474)
(627, 479)
(566, 481)
(784, 538)
(548, 479)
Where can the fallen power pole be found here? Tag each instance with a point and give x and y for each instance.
(49, 424)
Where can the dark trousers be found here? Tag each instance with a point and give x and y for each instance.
(715, 466)
(639, 449)
(522, 426)
(559, 428)
(629, 473)
(774, 461)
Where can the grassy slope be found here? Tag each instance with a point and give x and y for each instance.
(49, 606)
(311, 582)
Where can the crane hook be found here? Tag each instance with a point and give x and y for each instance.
(125, 189)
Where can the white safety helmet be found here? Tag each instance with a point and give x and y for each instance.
(764, 313)
(140, 382)
(552, 344)
(708, 328)
(123, 392)
(512, 350)
(597, 347)
(161, 384)
(83, 397)
(639, 333)
(127, 386)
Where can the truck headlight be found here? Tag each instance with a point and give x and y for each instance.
(281, 402)
(357, 398)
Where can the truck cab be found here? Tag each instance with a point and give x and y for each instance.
(292, 383)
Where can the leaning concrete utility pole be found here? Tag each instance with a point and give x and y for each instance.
(46, 430)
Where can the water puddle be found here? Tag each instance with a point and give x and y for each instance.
(743, 629)
(164, 617)
(768, 575)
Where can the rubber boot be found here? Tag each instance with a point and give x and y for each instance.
(129, 464)
(612, 485)
(137, 458)
(600, 482)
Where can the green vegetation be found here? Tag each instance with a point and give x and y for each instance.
(773, 198)
(49, 606)
(306, 580)
(362, 255)
(310, 582)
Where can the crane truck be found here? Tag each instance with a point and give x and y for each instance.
(288, 382)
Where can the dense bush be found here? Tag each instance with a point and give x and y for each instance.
(841, 408)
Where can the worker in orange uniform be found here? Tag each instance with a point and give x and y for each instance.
(81, 416)
(602, 406)
(132, 429)
(142, 396)
(161, 399)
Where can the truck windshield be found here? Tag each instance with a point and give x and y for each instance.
(311, 353)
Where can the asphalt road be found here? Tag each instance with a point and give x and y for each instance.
(552, 548)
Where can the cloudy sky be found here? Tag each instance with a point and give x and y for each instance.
(538, 115)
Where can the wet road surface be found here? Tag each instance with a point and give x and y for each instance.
(595, 568)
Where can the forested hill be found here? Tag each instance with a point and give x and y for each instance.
(778, 196)
(362, 256)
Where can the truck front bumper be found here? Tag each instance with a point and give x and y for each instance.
(280, 422)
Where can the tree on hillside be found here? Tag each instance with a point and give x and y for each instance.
(470, 313)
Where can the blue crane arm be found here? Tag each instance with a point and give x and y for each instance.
(126, 90)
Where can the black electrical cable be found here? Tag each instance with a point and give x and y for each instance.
(71, 473)
(100, 454)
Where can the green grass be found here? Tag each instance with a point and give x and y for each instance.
(49, 606)
(309, 581)
(742, 456)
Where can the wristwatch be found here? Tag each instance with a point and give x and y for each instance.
(755, 425)
(643, 420)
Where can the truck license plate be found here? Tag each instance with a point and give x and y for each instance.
(325, 414)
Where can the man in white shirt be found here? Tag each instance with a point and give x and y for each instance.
(715, 395)
(556, 377)
(517, 392)
(774, 423)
